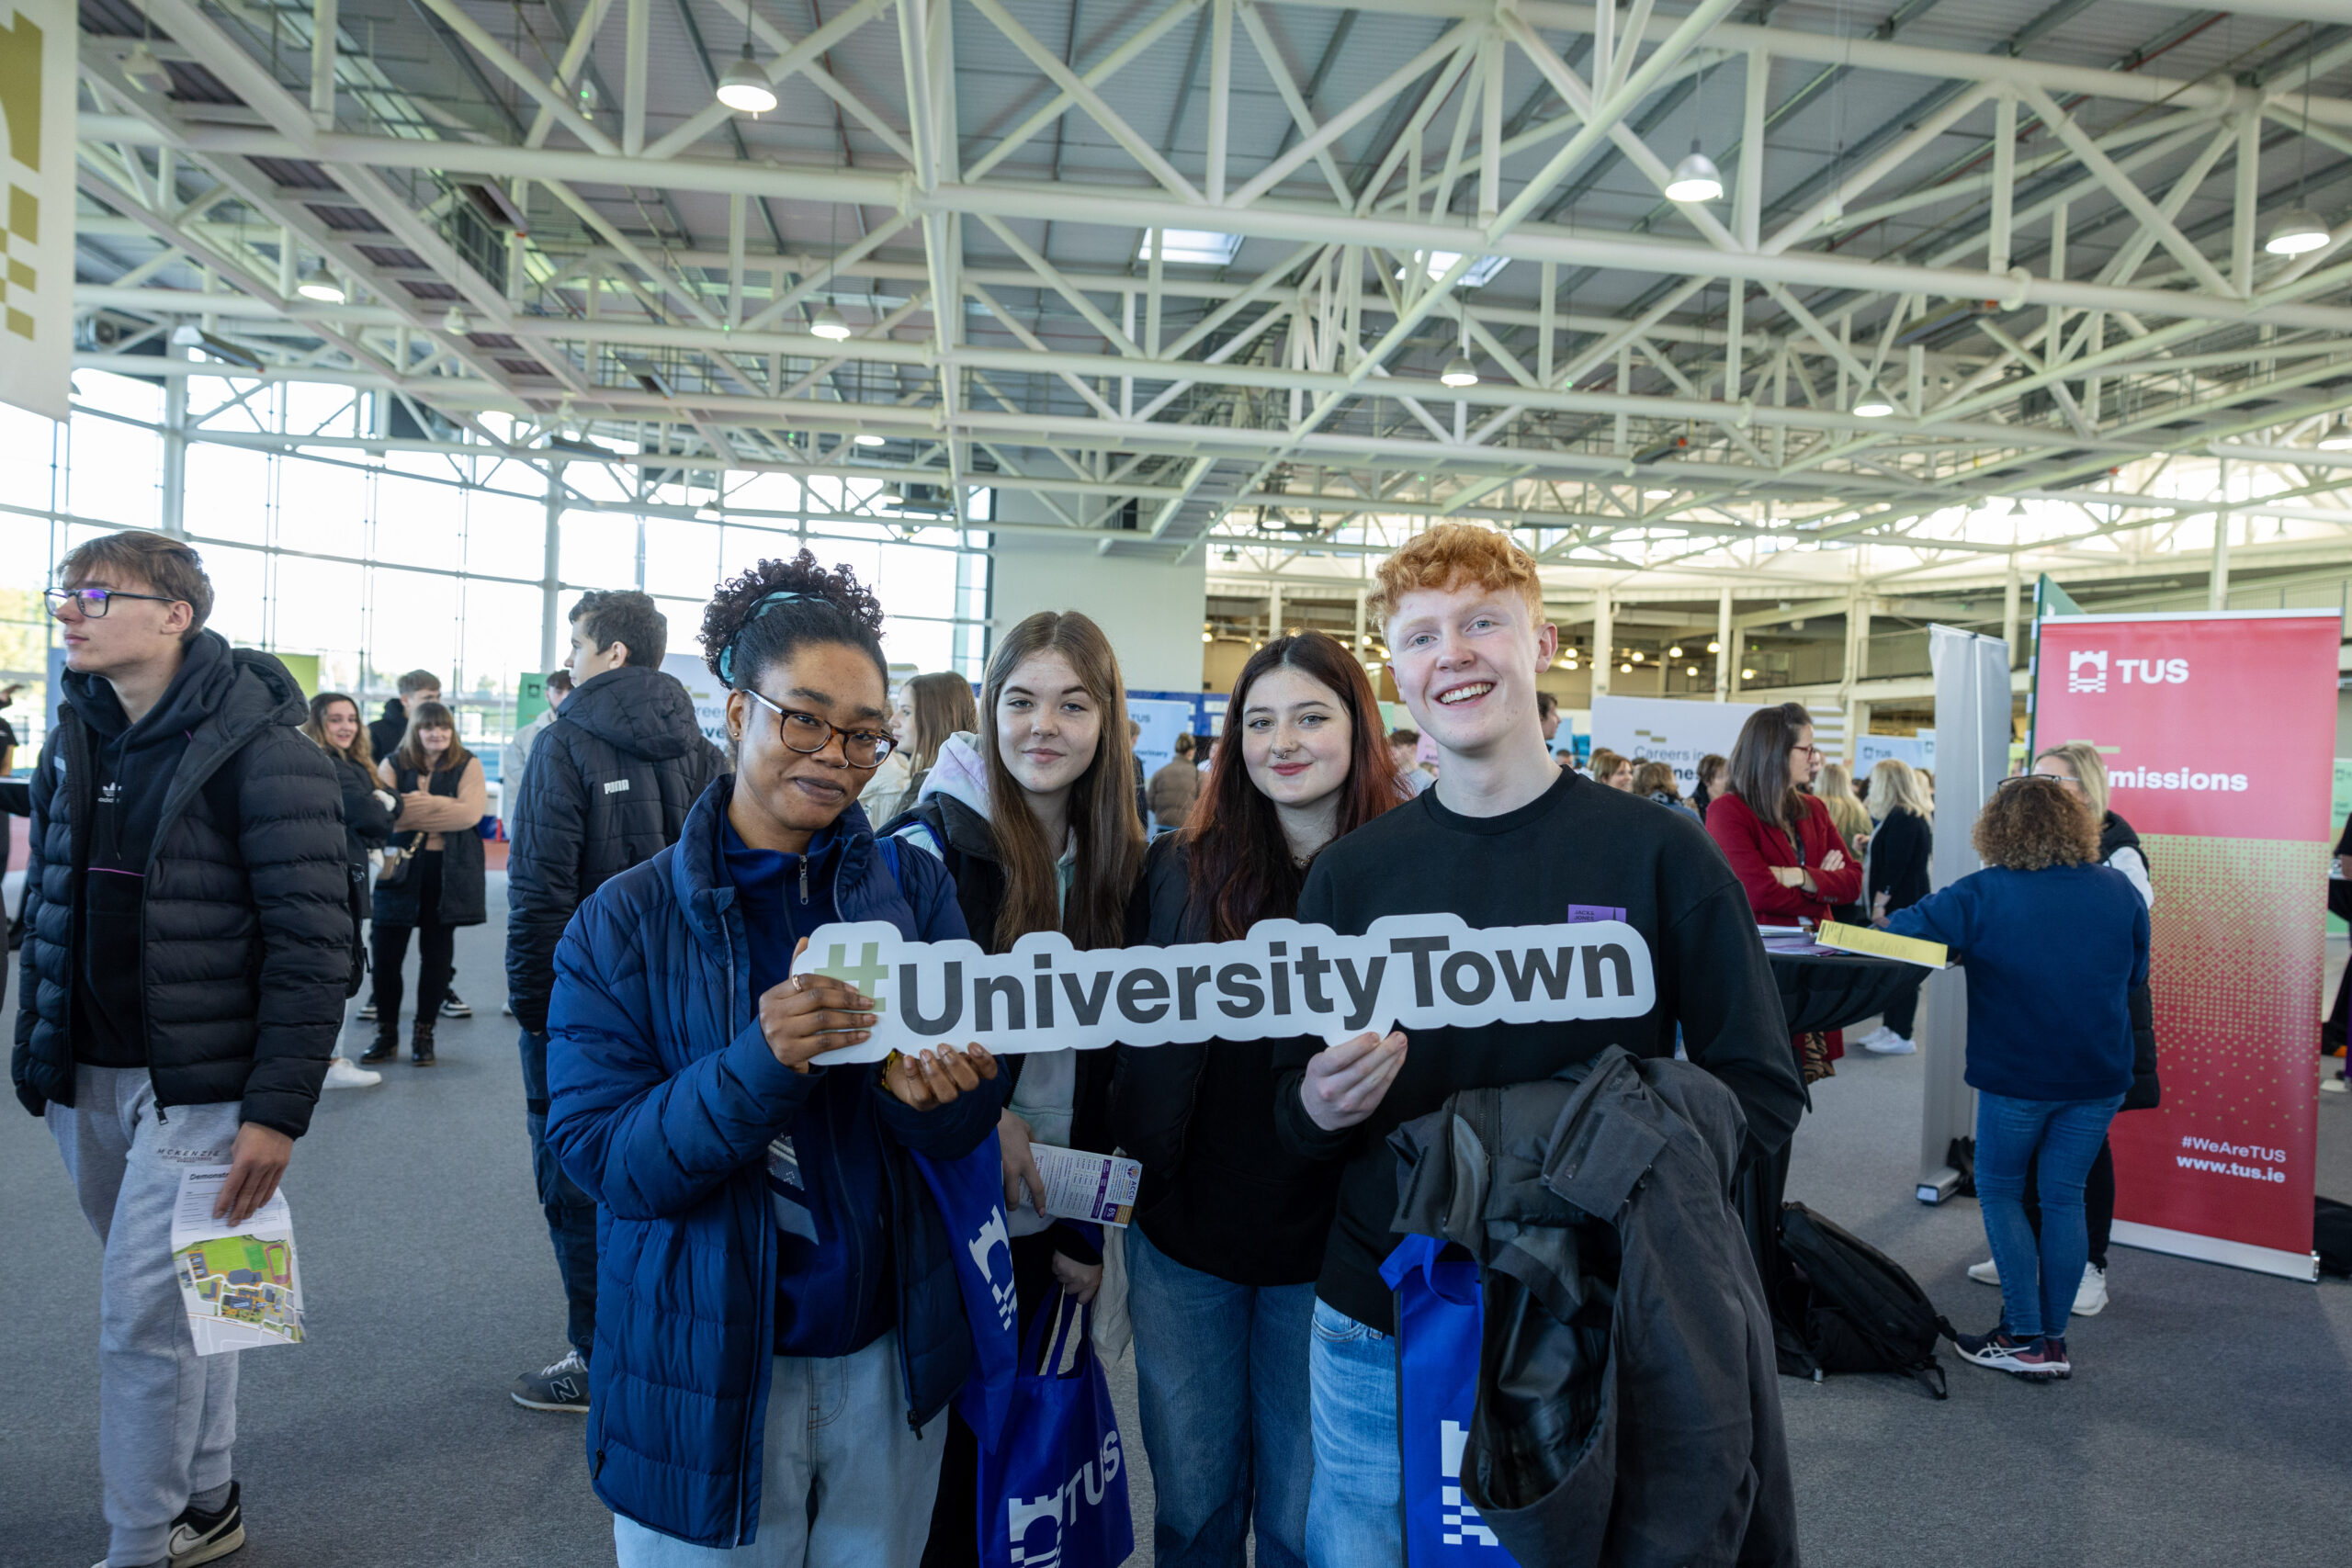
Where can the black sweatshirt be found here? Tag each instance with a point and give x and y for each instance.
(1900, 850)
(1581, 851)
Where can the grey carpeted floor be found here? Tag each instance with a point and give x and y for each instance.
(2211, 1422)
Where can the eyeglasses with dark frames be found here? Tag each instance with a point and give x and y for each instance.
(808, 734)
(92, 602)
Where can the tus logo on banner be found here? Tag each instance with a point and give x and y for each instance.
(1283, 978)
(2087, 671)
(1034, 1548)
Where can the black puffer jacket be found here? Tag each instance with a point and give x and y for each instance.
(246, 924)
(610, 783)
(366, 821)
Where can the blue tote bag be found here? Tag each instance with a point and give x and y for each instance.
(1439, 1316)
(1053, 1491)
(969, 1193)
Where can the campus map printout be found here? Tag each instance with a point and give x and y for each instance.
(241, 1283)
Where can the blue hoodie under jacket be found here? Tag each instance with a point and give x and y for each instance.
(663, 1099)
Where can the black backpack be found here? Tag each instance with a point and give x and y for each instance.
(2331, 1236)
(1841, 1305)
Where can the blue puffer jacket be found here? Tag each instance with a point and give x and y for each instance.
(665, 1097)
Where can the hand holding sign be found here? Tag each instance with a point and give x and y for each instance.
(1346, 1082)
(928, 1081)
(810, 1014)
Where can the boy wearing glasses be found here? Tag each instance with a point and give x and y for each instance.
(187, 950)
(609, 784)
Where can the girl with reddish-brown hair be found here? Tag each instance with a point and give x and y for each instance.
(1228, 1238)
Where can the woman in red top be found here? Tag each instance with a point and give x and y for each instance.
(1782, 844)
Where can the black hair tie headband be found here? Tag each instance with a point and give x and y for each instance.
(781, 596)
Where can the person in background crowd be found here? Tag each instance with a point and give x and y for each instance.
(1655, 781)
(438, 883)
(932, 707)
(1404, 747)
(1036, 825)
(2053, 943)
(610, 782)
(2331, 1032)
(1503, 838)
(514, 760)
(1547, 716)
(1711, 770)
(1134, 757)
(1174, 788)
(1612, 770)
(1900, 845)
(887, 788)
(333, 725)
(1230, 1225)
(1781, 843)
(384, 738)
(2079, 768)
(1834, 789)
(1928, 783)
(188, 944)
(772, 1351)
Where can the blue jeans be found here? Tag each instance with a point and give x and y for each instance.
(843, 1482)
(1355, 1506)
(2058, 1138)
(571, 1214)
(1221, 1381)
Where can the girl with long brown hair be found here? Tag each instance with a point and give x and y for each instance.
(1036, 822)
(436, 884)
(1228, 1236)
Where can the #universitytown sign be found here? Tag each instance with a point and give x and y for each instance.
(1283, 979)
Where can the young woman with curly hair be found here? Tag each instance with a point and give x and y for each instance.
(2051, 942)
(1228, 1236)
(774, 1351)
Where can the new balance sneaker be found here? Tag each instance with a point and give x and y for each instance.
(2090, 1296)
(199, 1537)
(2004, 1353)
(454, 1006)
(560, 1386)
(1986, 1273)
(1886, 1042)
(341, 1074)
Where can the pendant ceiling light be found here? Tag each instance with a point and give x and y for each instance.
(1458, 372)
(1872, 405)
(1696, 178)
(319, 283)
(2298, 229)
(2338, 436)
(745, 88)
(829, 325)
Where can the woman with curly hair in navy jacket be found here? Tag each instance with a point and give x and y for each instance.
(778, 1323)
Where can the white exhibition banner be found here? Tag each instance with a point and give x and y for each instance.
(38, 82)
(1668, 729)
(1160, 720)
(709, 693)
(1283, 979)
(1918, 751)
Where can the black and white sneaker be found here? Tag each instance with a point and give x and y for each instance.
(368, 1011)
(2032, 1359)
(199, 1537)
(453, 1006)
(562, 1386)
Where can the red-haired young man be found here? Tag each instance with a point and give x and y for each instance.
(1503, 838)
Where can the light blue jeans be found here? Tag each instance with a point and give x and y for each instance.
(2059, 1139)
(1355, 1505)
(1221, 1384)
(845, 1484)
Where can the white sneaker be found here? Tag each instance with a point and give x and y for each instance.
(2090, 1296)
(1986, 1273)
(1886, 1042)
(341, 1074)
(2335, 1084)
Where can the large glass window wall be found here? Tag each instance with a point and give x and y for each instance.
(376, 559)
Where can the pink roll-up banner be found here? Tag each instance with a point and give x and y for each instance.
(2218, 731)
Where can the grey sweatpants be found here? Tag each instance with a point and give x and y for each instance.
(167, 1415)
